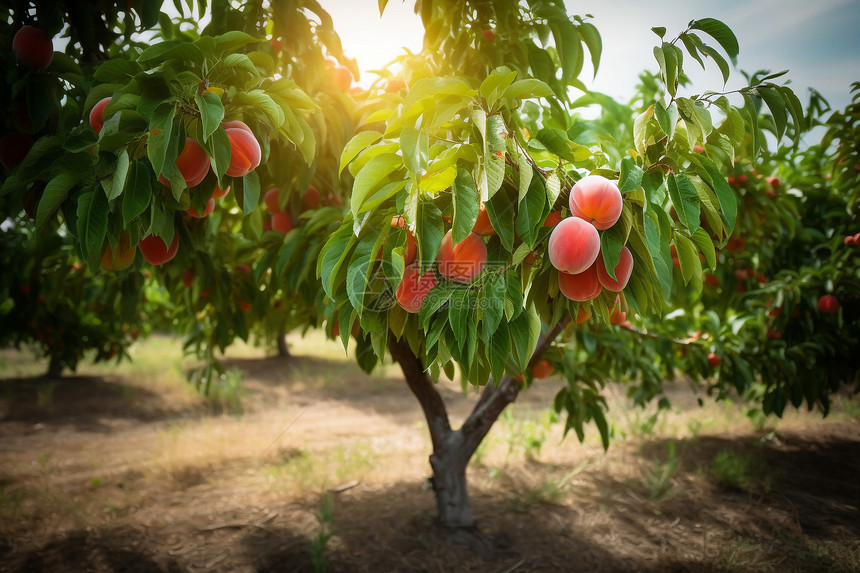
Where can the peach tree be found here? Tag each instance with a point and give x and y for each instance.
(529, 222)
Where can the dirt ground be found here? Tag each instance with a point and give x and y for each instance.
(325, 468)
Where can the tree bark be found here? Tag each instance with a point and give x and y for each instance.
(452, 449)
(283, 349)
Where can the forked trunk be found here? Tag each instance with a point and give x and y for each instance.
(452, 449)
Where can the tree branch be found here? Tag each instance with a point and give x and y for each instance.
(423, 388)
(493, 401)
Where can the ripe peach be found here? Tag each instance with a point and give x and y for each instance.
(395, 85)
(342, 78)
(482, 224)
(311, 198)
(713, 359)
(597, 200)
(245, 153)
(122, 257)
(618, 317)
(188, 277)
(828, 304)
(271, 200)
(414, 288)
(14, 147)
(488, 35)
(156, 251)
(623, 270)
(541, 369)
(553, 219)
(698, 148)
(582, 315)
(244, 306)
(193, 164)
(207, 210)
(97, 114)
(711, 280)
(465, 260)
(580, 286)
(217, 192)
(736, 244)
(573, 245)
(282, 223)
(33, 48)
(773, 182)
(236, 124)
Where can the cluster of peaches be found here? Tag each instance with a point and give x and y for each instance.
(574, 245)
(574, 249)
(193, 163)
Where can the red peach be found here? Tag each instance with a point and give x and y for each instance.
(482, 224)
(582, 286)
(271, 200)
(573, 245)
(217, 193)
(541, 369)
(282, 223)
(156, 251)
(245, 153)
(97, 114)
(623, 270)
(414, 288)
(597, 200)
(828, 304)
(207, 210)
(714, 360)
(465, 260)
(193, 164)
(33, 48)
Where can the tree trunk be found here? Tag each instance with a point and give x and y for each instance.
(283, 349)
(452, 449)
(55, 369)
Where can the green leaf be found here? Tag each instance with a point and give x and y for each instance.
(170, 50)
(501, 212)
(667, 117)
(219, 152)
(721, 62)
(525, 177)
(359, 142)
(56, 192)
(116, 71)
(688, 257)
(706, 246)
(231, 40)
(251, 192)
(138, 192)
(525, 332)
(591, 37)
(372, 176)
(92, 226)
(492, 304)
(429, 230)
(529, 218)
(211, 112)
(415, 147)
(500, 351)
(461, 315)
(39, 103)
(721, 33)
(773, 99)
(466, 205)
(529, 88)
(610, 249)
(118, 181)
(630, 177)
(725, 194)
(334, 252)
(659, 30)
(685, 198)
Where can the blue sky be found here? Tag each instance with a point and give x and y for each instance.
(817, 40)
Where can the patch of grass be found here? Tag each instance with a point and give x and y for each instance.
(316, 471)
(659, 480)
(743, 471)
(325, 532)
